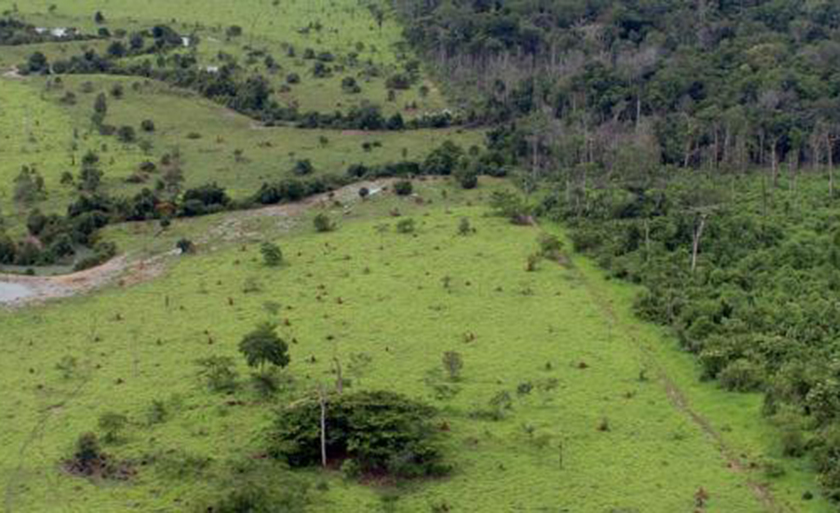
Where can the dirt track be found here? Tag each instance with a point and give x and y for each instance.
(125, 271)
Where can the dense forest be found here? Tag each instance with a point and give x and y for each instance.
(701, 83)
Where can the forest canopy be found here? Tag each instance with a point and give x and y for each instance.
(751, 82)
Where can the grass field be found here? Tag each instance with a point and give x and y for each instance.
(563, 330)
(606, 414)
(39, 130)
(340, 27)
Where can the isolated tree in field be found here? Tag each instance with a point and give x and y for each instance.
(453, 363)
(263, 346)
(272, 254)
(147, 125)
(99, 18)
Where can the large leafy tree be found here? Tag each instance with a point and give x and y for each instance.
(263, 346)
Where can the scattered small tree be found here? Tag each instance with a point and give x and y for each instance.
(464, 227)
(126, 134)
(403, 188)
(272, 254)
(185, 245)
(550, 246)
(29, 186)
(100, 107)
(406, 226)
(303, 167)
(453, 363)
(219, 372)
(323, 223)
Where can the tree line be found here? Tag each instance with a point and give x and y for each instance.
(692, 84)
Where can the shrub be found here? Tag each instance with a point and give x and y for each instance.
(510, 205)
(219, 373)
(406, 226)
(126, 134)
(185, 245)
(403, 187)
(550, 246)
(398, 81)
(741, 375)
(357, 170)
(211, 197)
(532, 262)
(464, 227)
(349, 85)
(88, 457)
(382, 431)
(272, 254)
(323, 223)
(467, 178)
(303, 168)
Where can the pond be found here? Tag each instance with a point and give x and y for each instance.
(13, 291)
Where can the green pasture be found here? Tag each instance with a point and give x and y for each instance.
(38, 129)
(591, 427)
(340, 27)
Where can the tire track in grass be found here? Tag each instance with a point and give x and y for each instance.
(678, 398)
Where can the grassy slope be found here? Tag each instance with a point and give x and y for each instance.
(40, 130)
(345, 23)
(653, 459)
(36, 131)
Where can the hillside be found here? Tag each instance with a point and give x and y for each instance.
(419, 256)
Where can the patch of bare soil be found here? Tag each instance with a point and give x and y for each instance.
(13, 74)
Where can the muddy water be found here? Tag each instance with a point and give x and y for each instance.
(10, 292)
